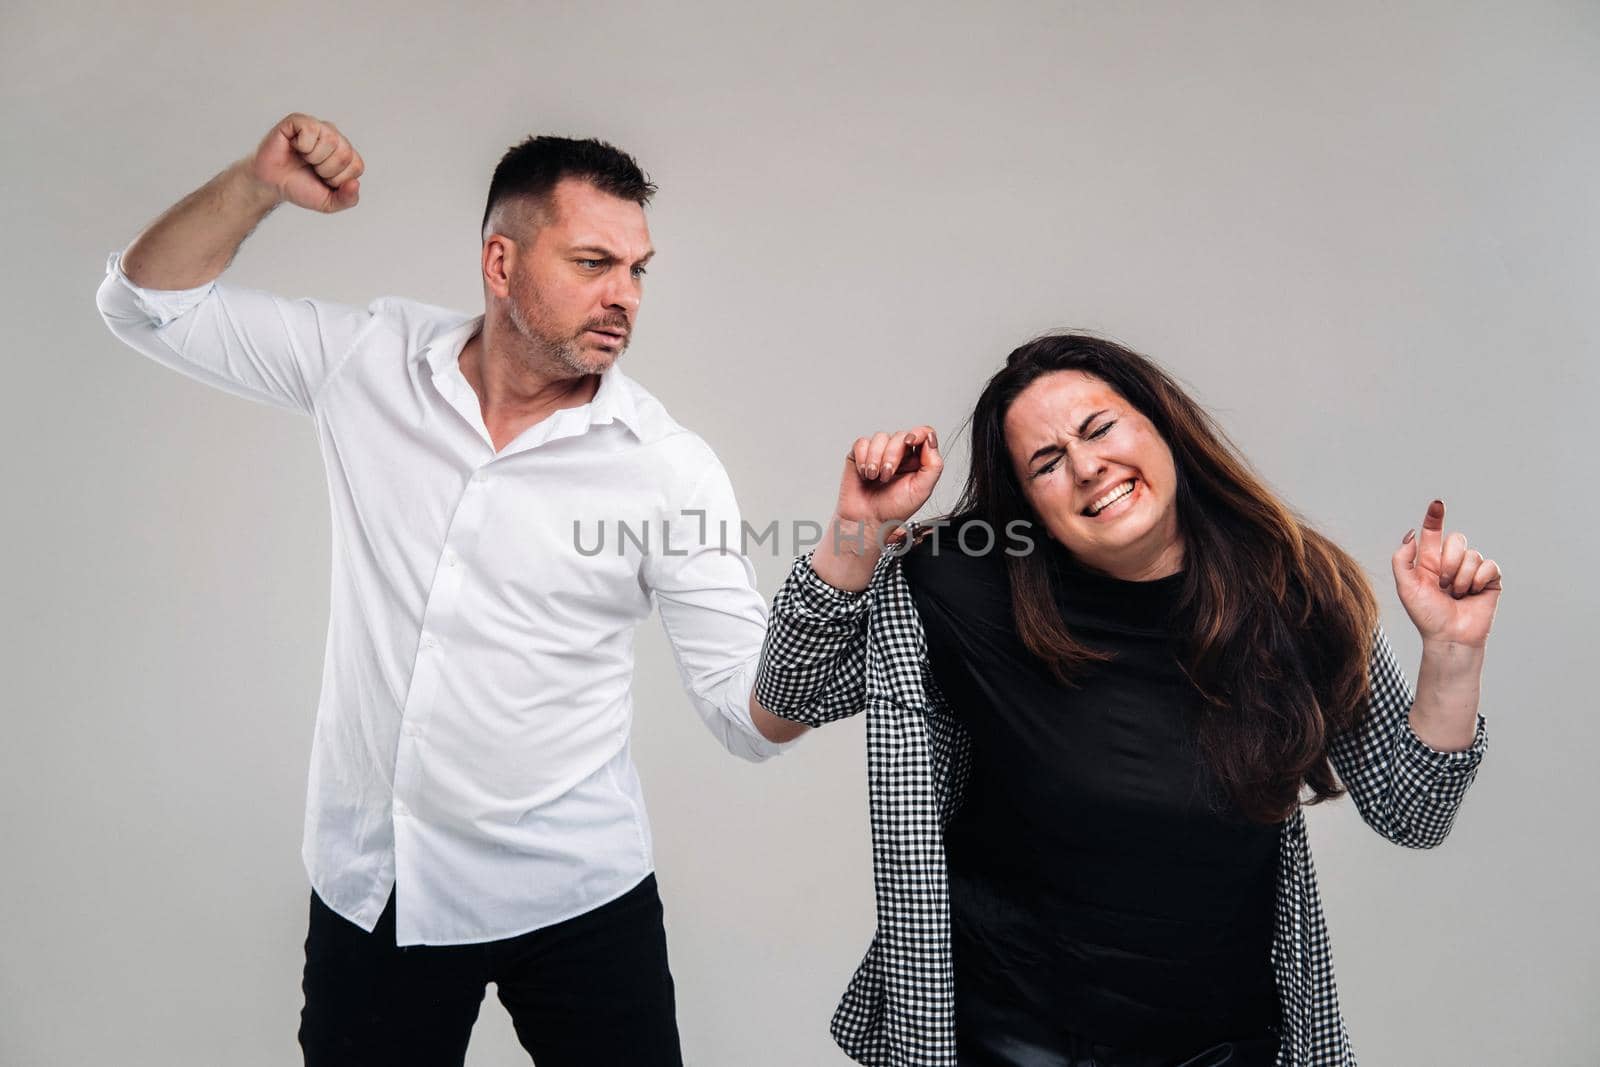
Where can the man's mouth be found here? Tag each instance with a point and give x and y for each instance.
(615, 336)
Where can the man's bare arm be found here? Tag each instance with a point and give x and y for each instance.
(773, 728)
(302, 160)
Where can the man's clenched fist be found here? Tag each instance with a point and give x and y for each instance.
(310, 164)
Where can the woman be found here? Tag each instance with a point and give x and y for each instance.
(1096, 700)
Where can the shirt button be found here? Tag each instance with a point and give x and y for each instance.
(401, 810)
(409, 729)
(451, 559)
(430, 642)
(480, 478)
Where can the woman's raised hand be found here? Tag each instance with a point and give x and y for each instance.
(887, 477)
(1449, 590)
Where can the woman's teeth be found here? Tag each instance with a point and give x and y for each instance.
(1111, 498)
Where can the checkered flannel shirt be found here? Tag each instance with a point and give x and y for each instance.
(830, 654)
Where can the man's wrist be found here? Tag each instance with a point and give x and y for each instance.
(256, 194)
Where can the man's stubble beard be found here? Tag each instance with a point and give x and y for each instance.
(544, 352)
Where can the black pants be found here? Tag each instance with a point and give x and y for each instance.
(594, 989)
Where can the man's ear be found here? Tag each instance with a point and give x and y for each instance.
(499, 253)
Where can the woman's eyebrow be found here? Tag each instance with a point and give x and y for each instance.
(1084, 425)
(1082, 428)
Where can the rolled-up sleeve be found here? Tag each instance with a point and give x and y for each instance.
(1404, 788)
(813, 667)
(243, 341)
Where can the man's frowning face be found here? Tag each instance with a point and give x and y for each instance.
(576, 274)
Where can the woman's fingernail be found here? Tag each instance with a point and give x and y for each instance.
(1406, 540)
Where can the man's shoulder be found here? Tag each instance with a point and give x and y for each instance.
(650, 421)
(682, 459)
(419, 324)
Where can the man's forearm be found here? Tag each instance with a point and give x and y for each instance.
(771, 726)
(193, 242)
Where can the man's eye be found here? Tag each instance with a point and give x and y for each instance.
(639, 272)
(589, 264)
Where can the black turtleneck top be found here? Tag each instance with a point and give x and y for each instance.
(1100, 881)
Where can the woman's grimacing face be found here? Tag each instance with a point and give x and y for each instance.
(1074, 441)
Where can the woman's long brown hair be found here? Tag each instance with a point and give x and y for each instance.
(1279, 619)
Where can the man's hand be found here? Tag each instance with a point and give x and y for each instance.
(303, 161)
(308, 163)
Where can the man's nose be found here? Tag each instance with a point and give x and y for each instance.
(623, 295)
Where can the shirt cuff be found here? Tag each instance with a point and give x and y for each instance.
(819, 600)
(1419, 753)
(161, 306)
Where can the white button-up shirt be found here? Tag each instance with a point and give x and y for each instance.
(471, 742)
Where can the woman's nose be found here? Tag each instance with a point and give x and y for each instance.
(1087, 466)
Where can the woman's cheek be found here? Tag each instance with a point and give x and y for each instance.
(1054, 505)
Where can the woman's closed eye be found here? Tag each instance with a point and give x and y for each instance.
(1054, 463)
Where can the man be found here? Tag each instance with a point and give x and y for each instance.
(471, 788)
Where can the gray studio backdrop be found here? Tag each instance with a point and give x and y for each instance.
(1366, 235)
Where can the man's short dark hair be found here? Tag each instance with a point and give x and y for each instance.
(531, 169)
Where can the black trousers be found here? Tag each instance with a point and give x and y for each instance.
(594, 989)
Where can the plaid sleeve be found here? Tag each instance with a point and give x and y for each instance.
(813, 664)
(1404, 789)
(951, 750)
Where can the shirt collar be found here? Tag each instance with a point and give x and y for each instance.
(443, 351)
(613, 401)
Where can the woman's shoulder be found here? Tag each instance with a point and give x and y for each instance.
(955, 556)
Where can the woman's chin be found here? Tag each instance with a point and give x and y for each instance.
(1106, 543)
